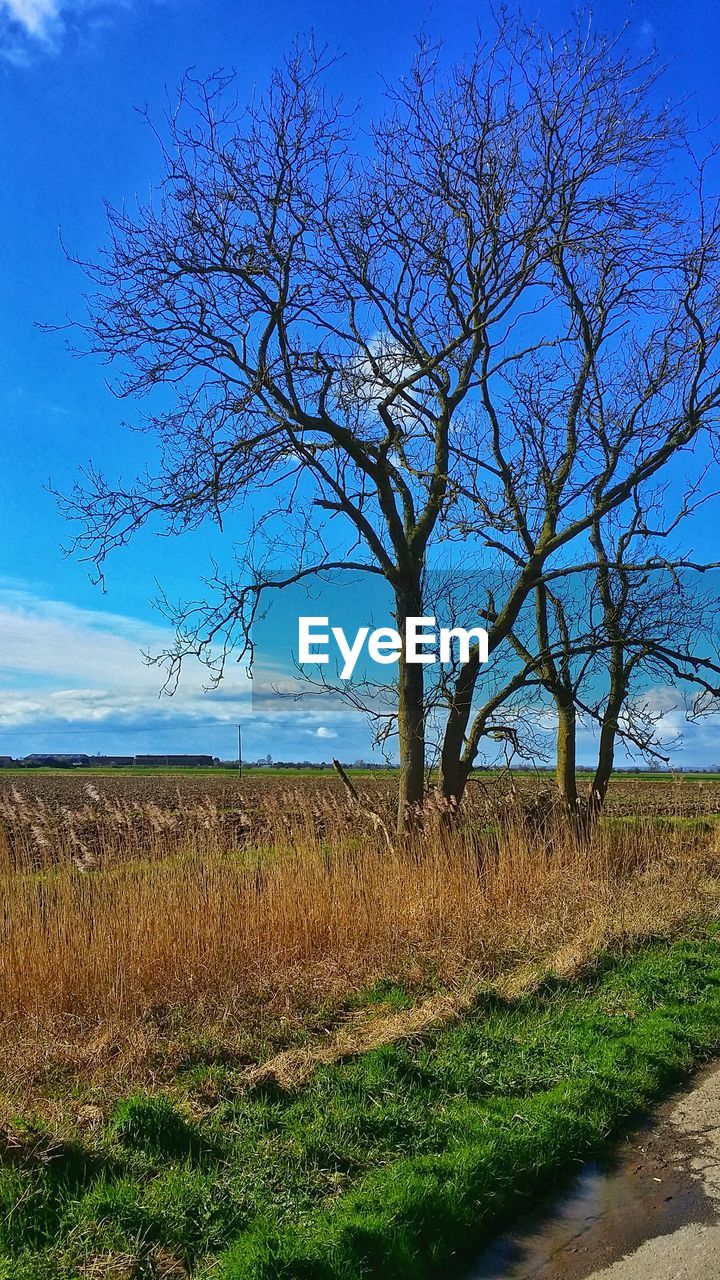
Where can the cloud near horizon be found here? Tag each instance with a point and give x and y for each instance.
(75, 679)
(62, 662)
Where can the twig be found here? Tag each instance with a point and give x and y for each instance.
(361, 804)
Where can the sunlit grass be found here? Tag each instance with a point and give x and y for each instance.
(395, 1165)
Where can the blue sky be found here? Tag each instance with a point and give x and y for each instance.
(71, 76)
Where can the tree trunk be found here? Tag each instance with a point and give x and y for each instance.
(453, 779)
(411, 715)
(411, 730)
(454, 770)
(566, 748)
(606, 755)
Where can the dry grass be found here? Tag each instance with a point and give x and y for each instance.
(128, 932)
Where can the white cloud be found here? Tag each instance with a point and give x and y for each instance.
(367, 378)
(75, 679)
(44, 637)
(27, 24)
(36, 17)
(65, 664)
(662, 709)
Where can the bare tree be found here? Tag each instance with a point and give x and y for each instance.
(648, 617)
(583, 425)
(597, 637)
(467, 323)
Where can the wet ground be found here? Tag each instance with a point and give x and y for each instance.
(651, 1214)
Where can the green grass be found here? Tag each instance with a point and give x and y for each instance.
(396, 1164)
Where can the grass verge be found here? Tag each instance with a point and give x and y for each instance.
(396, 1164)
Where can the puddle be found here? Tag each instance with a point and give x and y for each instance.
(650, 1189)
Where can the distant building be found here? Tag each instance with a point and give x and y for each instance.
(190, 762)
(111, 762)
(60, 760)
(55, 760)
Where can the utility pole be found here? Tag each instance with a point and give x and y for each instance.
(239, 729)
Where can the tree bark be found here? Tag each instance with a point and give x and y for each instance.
(606, 754)
(411, 729)
(453, 778)
(566, 752)
(411, 715)
(454, 769)
(454, 774)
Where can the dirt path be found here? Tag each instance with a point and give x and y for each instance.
(654, 1215)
